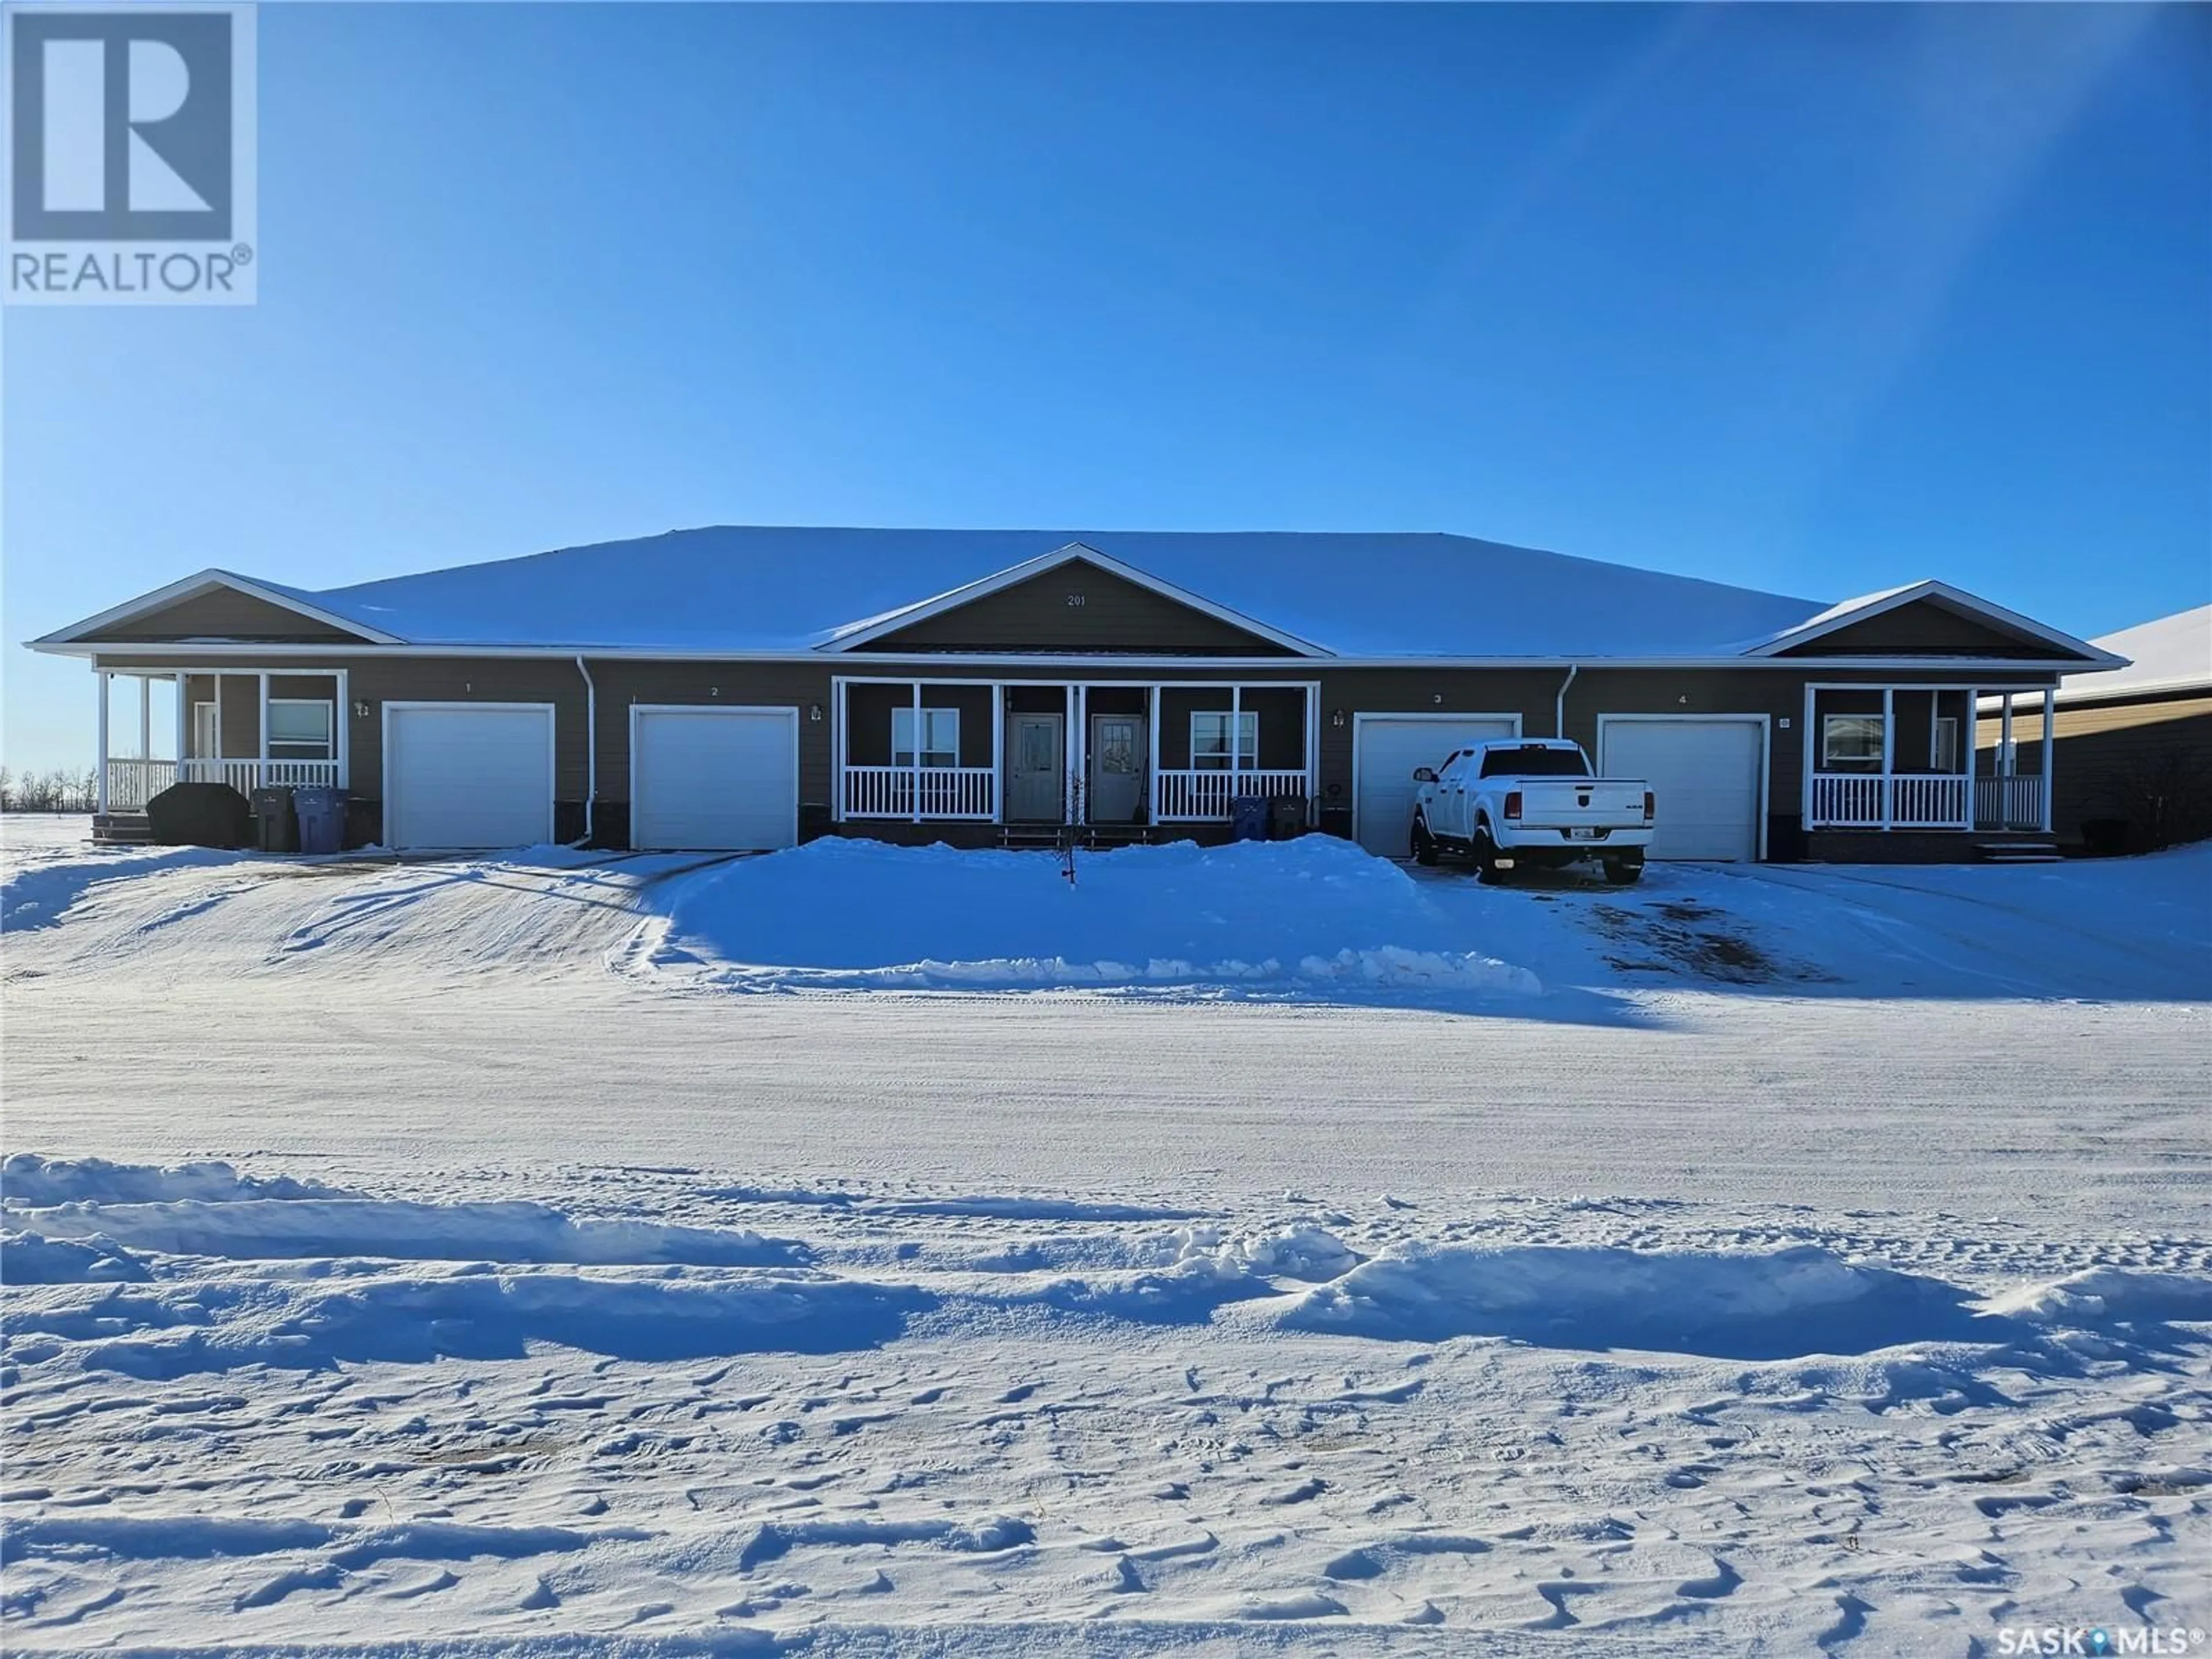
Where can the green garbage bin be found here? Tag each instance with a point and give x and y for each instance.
(275, 830)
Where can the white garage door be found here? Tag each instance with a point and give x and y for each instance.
(468, 774)
(1705, 774)
(714, 778)
(1389, 747)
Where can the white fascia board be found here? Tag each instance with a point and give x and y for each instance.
(203, 582)
(1869, 605)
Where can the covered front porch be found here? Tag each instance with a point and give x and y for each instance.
(1109, 754)
(1904, 757)
(247, 727)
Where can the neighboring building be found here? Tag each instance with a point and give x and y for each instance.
(699, 690)
(2132, 748)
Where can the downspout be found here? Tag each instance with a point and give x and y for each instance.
(1559, 715)
(591, 751)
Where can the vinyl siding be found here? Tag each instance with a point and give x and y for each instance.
(1924, 629)
(2104, 755)
(1115, 615)
(224, 613)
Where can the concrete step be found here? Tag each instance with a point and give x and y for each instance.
(122, 830)
(2018, 852)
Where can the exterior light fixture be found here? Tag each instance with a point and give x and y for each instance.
(814, 712)
(1337, 719)
(360, 708)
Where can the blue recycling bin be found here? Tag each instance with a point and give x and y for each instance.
(1247, 819)
(322, 819)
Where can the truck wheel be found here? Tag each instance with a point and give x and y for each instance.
(1485, 860)
(1624, 872)
(1425, 846)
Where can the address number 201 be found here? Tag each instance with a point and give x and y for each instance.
(1075, 599)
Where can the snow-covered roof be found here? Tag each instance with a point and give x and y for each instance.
(2171, 655)
(744, 590)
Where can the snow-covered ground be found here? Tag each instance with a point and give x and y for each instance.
(1264, 1249)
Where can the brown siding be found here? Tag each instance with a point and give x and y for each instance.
(800, 685)
(224, 613)
(1923, 629)
(1115, 615)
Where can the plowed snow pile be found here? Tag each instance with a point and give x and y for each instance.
(836, 913)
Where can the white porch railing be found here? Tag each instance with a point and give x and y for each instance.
(2015, 803)
(1203, 797)
(247, 776)
(1923, 800)
(962, 793)
(132, 782)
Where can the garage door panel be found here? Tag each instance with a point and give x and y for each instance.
(468, 775)
(1389, 748)
(1706, 774)
(715, 779)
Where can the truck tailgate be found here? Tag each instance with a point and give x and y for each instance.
(1567, 803)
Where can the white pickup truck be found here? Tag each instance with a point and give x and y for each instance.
(1531, 801)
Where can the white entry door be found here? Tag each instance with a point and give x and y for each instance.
(1386, 748)
(714, 779)
(468, 775)
(1705, 772)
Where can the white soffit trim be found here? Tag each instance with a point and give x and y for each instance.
(191, 587)
(848, 635)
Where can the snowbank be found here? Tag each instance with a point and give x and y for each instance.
(38, 884)
(1316, 911)
(315, 1227)
(1784, 1304)
(2099, 1295)
(27, 1179)
(28, 1258)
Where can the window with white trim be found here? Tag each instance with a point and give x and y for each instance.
(1209, 739)
(1851, 742)
(940, 737)
(300, 728)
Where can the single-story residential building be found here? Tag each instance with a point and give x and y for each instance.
(749, 687)
(2131, 749)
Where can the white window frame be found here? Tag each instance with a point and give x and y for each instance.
(937, 724)
(1830, 758)
(1218, 760)
(328, 742)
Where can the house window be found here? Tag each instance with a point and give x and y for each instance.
(940, 737)
(1852, 742)
(1209, 739)
(1943, 744)
(298, 729)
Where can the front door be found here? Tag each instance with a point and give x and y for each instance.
(1117, 769)
(1035, 758)
(203, 731)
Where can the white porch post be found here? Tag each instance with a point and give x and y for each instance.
(1067, 757)
(342, 721)
(1888, 756)
(261, 730)
(215, 775)
(914, 736)
(836, 752)
(146, 718)
(1152, 751)
(2049, 733)
(1313, 754)
(1970, 732)
(183, 720)
(106, 682)
(2006, 764)
(1082, 754)
(998, 753)
(1236, 741)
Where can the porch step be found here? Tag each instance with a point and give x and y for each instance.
(2018, 852)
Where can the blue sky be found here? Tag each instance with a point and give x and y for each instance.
(1815, 299)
